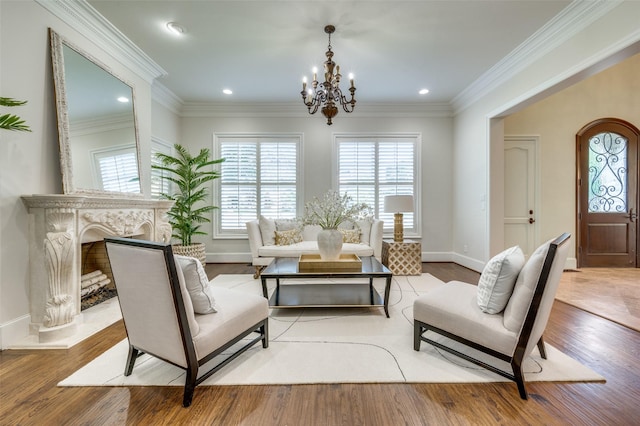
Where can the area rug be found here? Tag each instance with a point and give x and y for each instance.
(337, 345)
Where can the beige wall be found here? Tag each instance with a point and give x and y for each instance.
(614, 92)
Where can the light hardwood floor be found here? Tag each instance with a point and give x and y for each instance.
(29, 395)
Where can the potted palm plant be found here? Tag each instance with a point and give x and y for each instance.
(10, 121)
(189, 175)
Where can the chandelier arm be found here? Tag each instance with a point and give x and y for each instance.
(328, 94)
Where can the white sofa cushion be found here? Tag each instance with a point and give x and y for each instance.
(311, 247)
(498, 278)
(197, 284)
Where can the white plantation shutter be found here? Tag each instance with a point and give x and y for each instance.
(117, 169)
(159, 185)
(260, 176)
(371, 167)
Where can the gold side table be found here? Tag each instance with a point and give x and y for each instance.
(402, 257)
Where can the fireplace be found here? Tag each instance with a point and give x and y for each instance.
(61, 227)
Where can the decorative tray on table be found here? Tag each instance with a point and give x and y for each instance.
(313, 263)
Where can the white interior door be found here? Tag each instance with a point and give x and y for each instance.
(520, 196)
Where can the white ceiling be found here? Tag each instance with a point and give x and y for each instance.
(262, 49)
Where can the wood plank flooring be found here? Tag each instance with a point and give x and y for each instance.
(29, 395)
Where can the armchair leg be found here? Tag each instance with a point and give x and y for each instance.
(543, 352)
(189, 386)
(131, 360)
(264, 329)
(417, 336)
(519, 378)
(258, 271)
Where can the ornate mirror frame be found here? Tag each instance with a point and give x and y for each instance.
(70, 185)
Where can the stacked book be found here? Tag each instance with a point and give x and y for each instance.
(92, 283)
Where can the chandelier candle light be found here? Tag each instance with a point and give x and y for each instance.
(328, 93)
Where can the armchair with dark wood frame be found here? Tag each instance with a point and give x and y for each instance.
(451, 312)
(159, 317)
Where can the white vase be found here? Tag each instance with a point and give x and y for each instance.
(329, 244)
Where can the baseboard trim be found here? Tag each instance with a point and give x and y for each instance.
(13, 331)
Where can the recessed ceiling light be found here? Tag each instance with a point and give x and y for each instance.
(227, 91)
(175, 28)
(423, 91)
(123, 99)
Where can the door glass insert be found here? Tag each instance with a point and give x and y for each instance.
(608, 172)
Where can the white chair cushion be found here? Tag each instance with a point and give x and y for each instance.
(516, 310)
(452, 307)
(237, 312)
(498, 278)
(197, 284)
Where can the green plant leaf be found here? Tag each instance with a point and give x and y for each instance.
(189, 174)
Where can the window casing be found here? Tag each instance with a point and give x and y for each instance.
(261, 175)
(370, 167)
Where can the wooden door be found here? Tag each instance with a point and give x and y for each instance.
(607, 159)
(520, 201)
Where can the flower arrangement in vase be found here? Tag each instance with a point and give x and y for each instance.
(329, 213)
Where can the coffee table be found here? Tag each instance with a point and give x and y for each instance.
(326, 294)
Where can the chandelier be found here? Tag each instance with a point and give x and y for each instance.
(327, 94)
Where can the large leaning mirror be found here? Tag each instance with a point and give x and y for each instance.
(99, 149)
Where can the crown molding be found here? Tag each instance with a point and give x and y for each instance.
(229, 110)
(571, 20)
(165, 97)
(86, 20)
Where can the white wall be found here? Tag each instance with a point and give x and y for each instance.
(603, 43)
(436, 163)
(29, 162)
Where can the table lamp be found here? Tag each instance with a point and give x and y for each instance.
(398, 204)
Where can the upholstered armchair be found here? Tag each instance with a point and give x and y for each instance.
(503, 316)
(160, 296)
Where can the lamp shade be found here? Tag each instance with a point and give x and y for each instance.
(398, 203)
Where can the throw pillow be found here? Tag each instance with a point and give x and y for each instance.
(197, 284)
(286, 238)
(267, 230)
(350, 235)
(365, 230)
(286, 224)
(498, 278)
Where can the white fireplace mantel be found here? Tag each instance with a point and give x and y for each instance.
(58, 225)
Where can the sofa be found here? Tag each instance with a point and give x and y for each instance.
(363, 238)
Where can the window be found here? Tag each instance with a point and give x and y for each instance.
(117, 169)
(369, 167)
(608, 171)
(159, 185)
(260, 176)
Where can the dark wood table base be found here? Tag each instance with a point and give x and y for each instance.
(332, 294)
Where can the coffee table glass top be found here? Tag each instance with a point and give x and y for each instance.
(288, 266)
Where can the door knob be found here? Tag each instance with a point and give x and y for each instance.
(531, 220)
(632, 215)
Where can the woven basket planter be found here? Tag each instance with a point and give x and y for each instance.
(196, 250)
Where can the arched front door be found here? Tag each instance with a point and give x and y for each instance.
(607, 160)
